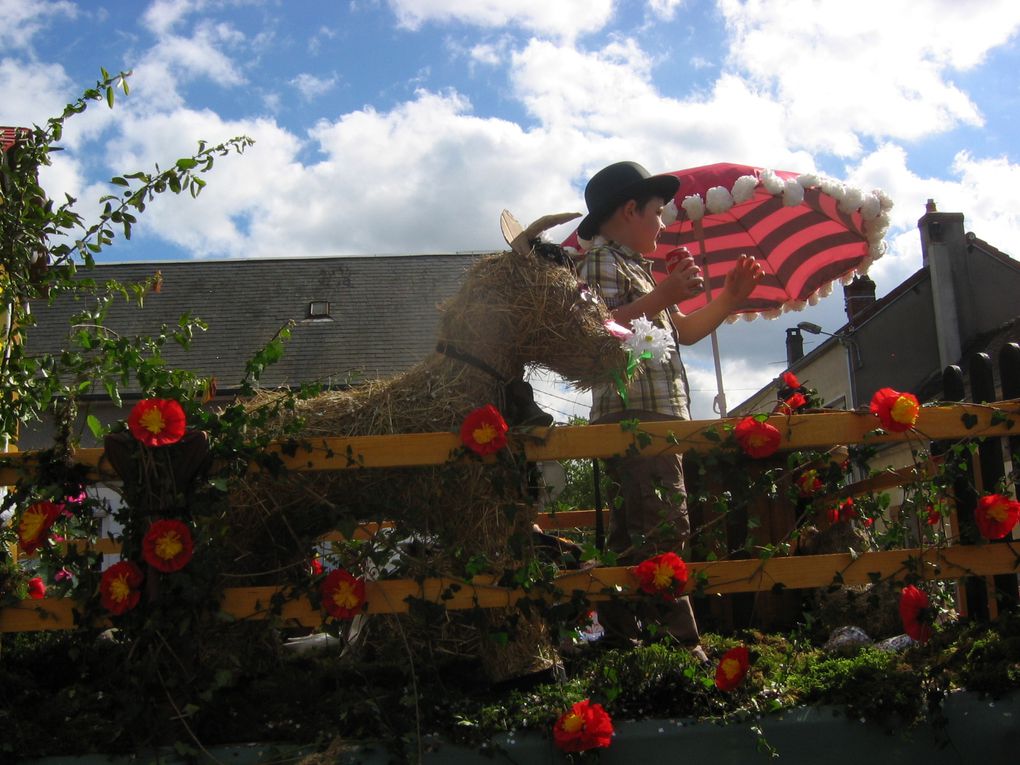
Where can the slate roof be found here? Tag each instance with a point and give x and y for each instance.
(383, 313)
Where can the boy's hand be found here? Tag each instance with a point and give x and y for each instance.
(742, 278)
(684, 281)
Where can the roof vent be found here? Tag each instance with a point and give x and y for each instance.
(318, 309)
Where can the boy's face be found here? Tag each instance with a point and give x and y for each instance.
(647, 225)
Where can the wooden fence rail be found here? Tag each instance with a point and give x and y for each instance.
(819, 430)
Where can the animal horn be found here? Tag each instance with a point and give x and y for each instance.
(520, 239)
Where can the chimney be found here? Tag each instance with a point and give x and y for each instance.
(794, 346)
(857, 296)
(943, 244)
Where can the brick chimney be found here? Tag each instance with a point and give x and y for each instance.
(794, 346)
(943, 242)
(857, 296)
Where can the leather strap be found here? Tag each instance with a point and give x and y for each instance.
(452, 351)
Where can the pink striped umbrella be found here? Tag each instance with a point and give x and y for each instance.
(807, 231)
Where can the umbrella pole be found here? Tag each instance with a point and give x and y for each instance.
(720, 397)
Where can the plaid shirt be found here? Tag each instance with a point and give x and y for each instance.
(620, 276)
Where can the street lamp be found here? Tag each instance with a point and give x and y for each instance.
(847, 341)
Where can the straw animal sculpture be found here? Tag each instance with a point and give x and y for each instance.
(514, 309)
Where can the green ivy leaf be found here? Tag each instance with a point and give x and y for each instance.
(95, 426)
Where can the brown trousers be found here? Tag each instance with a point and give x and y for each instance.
(648, 516)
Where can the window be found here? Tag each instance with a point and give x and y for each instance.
(318, 309)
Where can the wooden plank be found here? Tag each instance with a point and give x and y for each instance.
(567, 519)
(721, 577)
(800, 431)
(38, 615)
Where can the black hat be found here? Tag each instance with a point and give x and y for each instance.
(612, 186)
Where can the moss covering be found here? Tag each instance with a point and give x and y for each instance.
(64, 693)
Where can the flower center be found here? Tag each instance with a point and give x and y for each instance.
(153, 421)
(119, 588)
(573, 723)
(997, 512)
(730, 668)
(483, 434)
(31, 525)
(904, 411)
(344, 595)
(663, 576)
(169, 545)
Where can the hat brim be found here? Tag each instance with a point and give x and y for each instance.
(663, 186)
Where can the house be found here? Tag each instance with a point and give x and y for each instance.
(352, 319)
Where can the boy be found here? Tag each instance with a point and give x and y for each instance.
(648, 510)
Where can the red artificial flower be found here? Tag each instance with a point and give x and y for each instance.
(809, 483)
(996, 515)
(36, 588)
(665, 575)
(342, 594)
(586, 726)
(118, 589)
(934, 515)
(157, 421)
(796, 401)
(484, 430)
(790, 380)
(757, 438)
(35, 524)
(732, 668)
(315, 566)
(867, 522)
(167, 545)
(845, 511)
(915, 613)
(897, 411)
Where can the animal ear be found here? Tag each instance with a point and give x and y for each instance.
(520, 239)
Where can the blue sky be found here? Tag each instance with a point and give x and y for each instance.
(405, 126)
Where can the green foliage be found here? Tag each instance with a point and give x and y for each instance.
(43, 245)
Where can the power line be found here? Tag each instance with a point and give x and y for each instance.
(579, 401)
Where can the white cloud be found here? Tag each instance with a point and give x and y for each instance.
(321, 36)
(22, 21)
(174, 61)
(562, 19)
(664, 10)
(871, 68)
(611, 96)
(486, 53)
(31, 94)
(163, 15)
(311, 87)
(218, 223)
